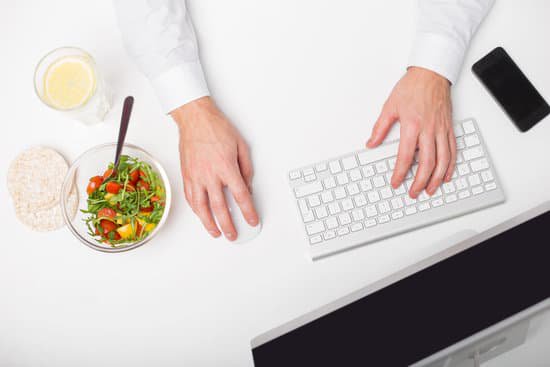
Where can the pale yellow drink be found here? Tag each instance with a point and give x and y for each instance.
(69, 82)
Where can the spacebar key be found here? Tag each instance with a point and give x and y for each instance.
(308, 189)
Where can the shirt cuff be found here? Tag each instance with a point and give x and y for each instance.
(180, 85)
(438, 53)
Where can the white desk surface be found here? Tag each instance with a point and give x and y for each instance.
(304, 81)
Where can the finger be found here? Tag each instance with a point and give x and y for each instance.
(382, 126)
(405, 154)
(443, 156)
(221, 211)
(201, 207)
(188, 192)
(426, 164)
(452, 163)
(243, 198)
(245, 164)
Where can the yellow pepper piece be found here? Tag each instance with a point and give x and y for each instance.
(149, 227)
(125, 231)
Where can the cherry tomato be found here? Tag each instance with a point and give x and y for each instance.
(107, 173)
(106, 213)
(107, 226)
(134, 176)
(155, 199)
(112, 187)
(95, 182)
(130, 187)
(148, 209)
(139, 229)
(116, 235)
(142, 185)
(142, 174)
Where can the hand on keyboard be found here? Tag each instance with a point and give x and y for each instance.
(214, 155)
(421, 102)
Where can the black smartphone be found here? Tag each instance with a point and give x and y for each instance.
(511, 89)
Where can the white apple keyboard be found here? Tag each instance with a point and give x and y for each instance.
(348, 201)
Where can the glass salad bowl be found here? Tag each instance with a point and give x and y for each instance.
(94, 162)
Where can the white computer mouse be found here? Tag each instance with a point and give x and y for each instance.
(245, 232)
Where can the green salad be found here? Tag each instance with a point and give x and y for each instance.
(126, 206)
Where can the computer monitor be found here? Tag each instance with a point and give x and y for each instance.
(471, 302)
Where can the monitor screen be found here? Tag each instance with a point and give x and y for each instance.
(429, 310)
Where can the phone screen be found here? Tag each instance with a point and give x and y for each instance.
(511, 89)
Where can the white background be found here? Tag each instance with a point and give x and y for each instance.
(304, 80)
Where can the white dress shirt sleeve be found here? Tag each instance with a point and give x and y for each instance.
(444, 30)
(159, 35)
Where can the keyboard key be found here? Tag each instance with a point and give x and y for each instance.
(490, 186)
(329, 182)
(408, 200)
(343, 231)
(423, 196)
(381, 167)
(383, 219)
(360, 200)
(487, 176)
(368, 171)
(437, 193)
(335, 167)
(437, 202)
(400, 189)
(397, 203)
(357, 214)
(303, 206)
(371, 211)
(321, 212)
(339, 193)
(334, 208)
(308, 216)
(294, 175)
(391, 163)
(472, 153)
(342, 178)
(458, 130)
(353, 189)
(386, 192)
(464, 194)
(474, 179)
(313, 200)
(315, 239)
(347, 204)
(355, 175)
(410, 210)
(397, 215)
(308, 189)
(310, 178)
(349, 162)
(373, 196)
(468, 127)
(365, 185)
(379, 181)
(463, 169)
(471, 140)
(451, 198)
(479, 165)
(356, 226)
(384, 207)
(344, 219)
(329, 235)
(370, 223)
(314, 228)
(424, 206)
(477, 190)
(327, 197)
(363, 158)
(321, 167)
(448, 187)
(331, 223)
(461, 183)
(308, 171)
(460, 143)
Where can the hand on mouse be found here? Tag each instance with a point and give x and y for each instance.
(213, 155)
(421, 102)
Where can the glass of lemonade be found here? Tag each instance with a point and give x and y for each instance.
(67, 80)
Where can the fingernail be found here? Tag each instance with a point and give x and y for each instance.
(230, 236)
(214, 233)
(253, 222)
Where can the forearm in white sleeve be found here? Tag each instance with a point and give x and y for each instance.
(444, 30)
(159, 35)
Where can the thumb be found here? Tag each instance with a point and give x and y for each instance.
(381, 128)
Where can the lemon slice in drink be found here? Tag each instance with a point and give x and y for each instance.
(69, 82)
